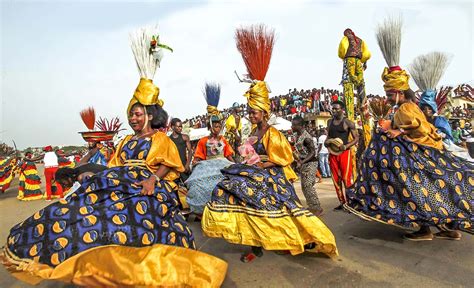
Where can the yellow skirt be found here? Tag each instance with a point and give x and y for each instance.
(272, 230)
(117, 266)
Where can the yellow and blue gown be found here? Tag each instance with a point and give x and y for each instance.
(106, 233)
(259, 207)
(411, 181)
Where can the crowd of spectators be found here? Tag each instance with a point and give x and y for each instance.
(295, 102)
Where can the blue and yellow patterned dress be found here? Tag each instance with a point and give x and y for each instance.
(259, 207)
(412, 181)
(98, 224)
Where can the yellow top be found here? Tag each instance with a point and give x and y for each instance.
(344, 45)
(163, 151)
(410, 118)
(279, 151)
(257, 97)
(145, 94)
(231, 125)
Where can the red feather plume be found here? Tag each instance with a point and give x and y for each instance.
(88, 117)
(255, 43)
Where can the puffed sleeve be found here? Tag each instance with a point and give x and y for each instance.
(410, 118)
(279, 151)
(343, 46)
(365, 52)
(201, 151)
(163, 151)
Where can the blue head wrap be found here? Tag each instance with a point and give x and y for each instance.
(428, 98)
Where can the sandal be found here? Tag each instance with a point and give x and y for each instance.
(249, 257)
(448, 235)
(417, 236)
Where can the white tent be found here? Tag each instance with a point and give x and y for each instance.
(280, 123)
(196, 134)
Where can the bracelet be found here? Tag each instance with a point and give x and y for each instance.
(156, 178)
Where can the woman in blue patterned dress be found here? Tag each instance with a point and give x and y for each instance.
(257, 205)
(127, 214)
(407, 177)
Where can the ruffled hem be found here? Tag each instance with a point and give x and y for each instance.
(272, 230)
(465, 226)
(117, 266)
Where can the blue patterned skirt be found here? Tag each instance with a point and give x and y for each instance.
(259, 207)
(410, 185)
(107, 209)
(206, 174)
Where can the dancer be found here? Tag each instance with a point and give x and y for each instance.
(307, 164)
(29, 180)
(407, 177)
(256, 205)
(355, 54)
(122, 227)
(339, 145)
(7, 166)
(212, 154)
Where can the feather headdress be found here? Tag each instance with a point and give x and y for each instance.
(255, 44)
(212, 94)
(88, 117)
(148, 53)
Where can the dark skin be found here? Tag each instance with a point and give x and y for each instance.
(177, 129)
(259, 118)
(140, 122)
(338, 117)
(216, 129)
(298, 128)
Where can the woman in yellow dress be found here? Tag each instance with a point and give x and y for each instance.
(123, 226)
(256, 205)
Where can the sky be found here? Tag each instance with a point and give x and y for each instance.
(60, 57)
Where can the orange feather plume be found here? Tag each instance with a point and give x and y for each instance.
(88, 117)
(255, 43)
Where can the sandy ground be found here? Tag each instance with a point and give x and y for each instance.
(371, 254)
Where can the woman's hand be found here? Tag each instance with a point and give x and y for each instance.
(393, 133)
(148, 186)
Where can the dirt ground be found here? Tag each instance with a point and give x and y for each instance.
(371, 254)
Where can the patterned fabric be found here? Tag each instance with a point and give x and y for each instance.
(303, 152)
(407, 184)
(107, 210)
(6, 173)
(29, 185)
(308, 180)
(206, 174)
(259, 207)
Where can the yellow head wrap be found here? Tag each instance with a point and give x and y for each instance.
(212, 110)
(145, 94)
(257, 97)
(395, 79)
